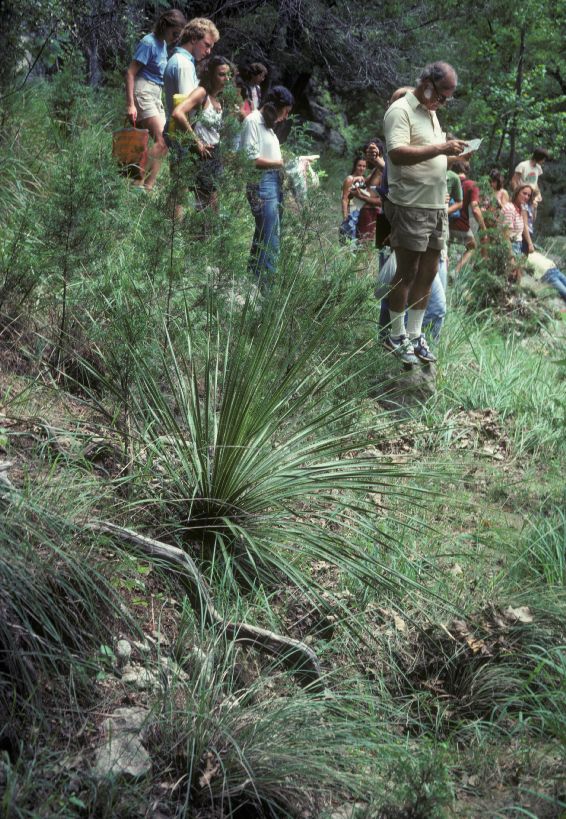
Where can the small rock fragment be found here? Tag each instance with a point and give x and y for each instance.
(123, 652)
(122, 753)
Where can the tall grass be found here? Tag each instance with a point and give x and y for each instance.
(480, 369)
(51, 626)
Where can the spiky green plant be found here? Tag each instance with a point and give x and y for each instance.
(249, 453)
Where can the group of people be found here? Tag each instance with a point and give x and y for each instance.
(418, 197)
(189, 123)
(413, 192)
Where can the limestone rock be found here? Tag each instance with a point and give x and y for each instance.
(122, 753)
(336, 141)
(316, 130)
(141, 678)
(123, 652)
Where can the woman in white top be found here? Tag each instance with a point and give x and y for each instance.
(206, 128)
(265, 195)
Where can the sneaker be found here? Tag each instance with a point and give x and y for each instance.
(420, 349)
(401, 348)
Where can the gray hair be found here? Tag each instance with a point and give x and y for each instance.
(435, 72)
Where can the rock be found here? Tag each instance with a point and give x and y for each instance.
(173, 670)
(398, 389)
(123, 652)
(160, 638)
(336, 141)
(142, 678)
(4, 467)
(316, 131)
(204, 662)
(122, 753)
(320, 113)
(143, 648)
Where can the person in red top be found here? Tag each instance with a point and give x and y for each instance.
(460, 230)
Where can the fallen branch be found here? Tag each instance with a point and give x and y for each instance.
(293, 653)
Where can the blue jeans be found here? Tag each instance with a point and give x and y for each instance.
(265, 199)
(555, 278)
(435, 309)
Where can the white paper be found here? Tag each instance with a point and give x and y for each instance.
(472, 145)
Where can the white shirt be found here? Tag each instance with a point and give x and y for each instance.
(259, 141)
(529, 171)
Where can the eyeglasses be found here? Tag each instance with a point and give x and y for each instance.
(440, 98)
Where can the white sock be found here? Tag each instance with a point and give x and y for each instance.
(415, 323)
(396, 323)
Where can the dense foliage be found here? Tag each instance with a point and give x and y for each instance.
(510, 58)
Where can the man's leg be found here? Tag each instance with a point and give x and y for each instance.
(407, 269)
(470, 247)
(419, 294)
(555, 278)
(384, 318)
(396, 340)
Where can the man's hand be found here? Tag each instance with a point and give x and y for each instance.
(372, 151)
(454, 147)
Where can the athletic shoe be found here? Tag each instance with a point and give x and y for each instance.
(401, 348)
(420, 348)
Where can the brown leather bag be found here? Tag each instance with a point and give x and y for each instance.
(129, 149)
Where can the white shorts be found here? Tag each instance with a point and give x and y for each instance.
(147, 97)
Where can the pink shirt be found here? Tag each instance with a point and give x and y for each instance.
(513, 219)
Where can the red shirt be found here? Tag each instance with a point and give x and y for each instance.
(471, 193)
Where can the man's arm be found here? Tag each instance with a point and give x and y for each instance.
(375, 177)
(476, 210)
(413, 154)
(526, 235)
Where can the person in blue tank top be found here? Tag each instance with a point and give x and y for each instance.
(144, 81)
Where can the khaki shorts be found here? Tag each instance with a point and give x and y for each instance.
(462, 237)
(416, 229)
(147, 97)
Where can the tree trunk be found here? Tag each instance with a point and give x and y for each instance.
(518, 94)
(94, 69)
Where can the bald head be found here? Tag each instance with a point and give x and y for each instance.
(436, 85)
(438, 72)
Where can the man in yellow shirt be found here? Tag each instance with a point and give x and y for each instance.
(416, 203)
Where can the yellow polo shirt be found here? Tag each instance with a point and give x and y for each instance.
(423, 185)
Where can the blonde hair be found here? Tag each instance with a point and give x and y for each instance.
(197, 28)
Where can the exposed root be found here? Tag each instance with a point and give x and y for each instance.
(293, 653)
